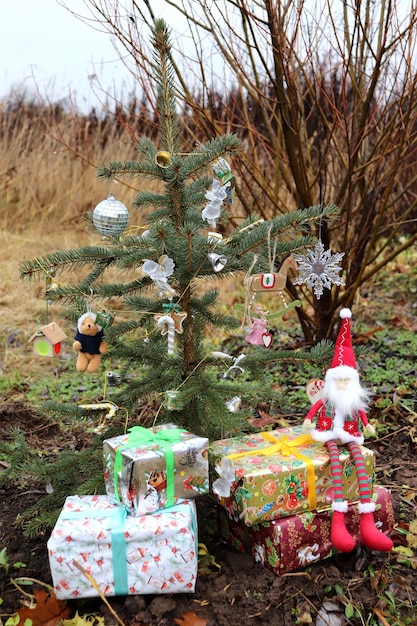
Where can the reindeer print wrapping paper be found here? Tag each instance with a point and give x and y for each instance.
(152, 468)
(279, 473)
(288, 544)
(124, 554)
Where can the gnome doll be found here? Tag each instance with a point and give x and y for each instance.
(340, 412)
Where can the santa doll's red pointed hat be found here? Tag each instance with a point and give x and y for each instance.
(343, 363)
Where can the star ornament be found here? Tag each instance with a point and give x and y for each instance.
(319, 269)
(178, 318)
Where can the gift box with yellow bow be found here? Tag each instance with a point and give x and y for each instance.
(152, 468)
(269, 475)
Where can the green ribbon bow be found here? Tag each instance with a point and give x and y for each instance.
(143, 437)
(171, 306)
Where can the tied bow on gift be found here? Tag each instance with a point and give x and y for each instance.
(143, 437)
(287, 447)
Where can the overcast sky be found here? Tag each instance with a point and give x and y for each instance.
(43, 46)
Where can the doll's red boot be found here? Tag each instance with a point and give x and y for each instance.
(373, 538)
(341, 538)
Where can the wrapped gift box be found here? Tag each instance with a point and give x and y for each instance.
(125, 555)
(151, 468)
(290, 543)
(278, 473)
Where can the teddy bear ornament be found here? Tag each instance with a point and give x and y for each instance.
(89, 343)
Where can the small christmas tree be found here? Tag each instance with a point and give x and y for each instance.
(160, 342)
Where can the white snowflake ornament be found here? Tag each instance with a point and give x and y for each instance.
(319, 268)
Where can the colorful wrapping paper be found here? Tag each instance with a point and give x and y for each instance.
(290, 543)
(151, 468)
(279, 473)
(125, 555)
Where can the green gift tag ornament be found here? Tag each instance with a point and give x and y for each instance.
(104, 319)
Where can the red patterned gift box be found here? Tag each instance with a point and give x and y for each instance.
(291, 543)
(279, 473)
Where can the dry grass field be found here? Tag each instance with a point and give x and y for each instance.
(23, 304)
(48, 183)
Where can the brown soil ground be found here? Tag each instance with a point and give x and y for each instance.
(240, 591)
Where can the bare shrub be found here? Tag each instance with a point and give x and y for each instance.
(323, 97)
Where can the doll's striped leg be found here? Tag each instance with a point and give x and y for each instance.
(336, 470)
(371, 536)
(341, 538)
(363, 480)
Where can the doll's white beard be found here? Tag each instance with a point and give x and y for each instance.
(349, 400)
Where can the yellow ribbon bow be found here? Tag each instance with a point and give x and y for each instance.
(288, 447)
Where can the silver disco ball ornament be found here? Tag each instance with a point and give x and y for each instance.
(110, 217)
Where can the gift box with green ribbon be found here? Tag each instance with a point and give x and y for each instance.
(151, 468)
(95, 545)
(274, 474)
(288, 544)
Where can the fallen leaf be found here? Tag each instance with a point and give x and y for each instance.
(190, 619)
(47, 612)
(206, 561)
(413, 434)
(363, 336)
(263, 420)
(407, 552)
(79, 620)
(4, 559)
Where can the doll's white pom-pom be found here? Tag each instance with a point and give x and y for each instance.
(345, 313)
